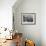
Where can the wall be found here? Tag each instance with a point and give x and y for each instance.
(29, 31)
(6, 13)
(43, 22)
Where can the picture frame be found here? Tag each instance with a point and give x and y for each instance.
(28, 18)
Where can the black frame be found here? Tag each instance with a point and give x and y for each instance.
(32, 15)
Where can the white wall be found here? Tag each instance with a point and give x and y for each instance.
(6, 13)
(36, 32)
(30, 31)
(43, 22)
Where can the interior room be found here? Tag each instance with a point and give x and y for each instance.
(22, 22)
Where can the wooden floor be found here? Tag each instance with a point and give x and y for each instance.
(9, 43)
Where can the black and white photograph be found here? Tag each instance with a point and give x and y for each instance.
(28, 18)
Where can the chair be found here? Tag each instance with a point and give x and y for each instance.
(29, 43)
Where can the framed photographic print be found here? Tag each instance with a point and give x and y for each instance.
(28, 18)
